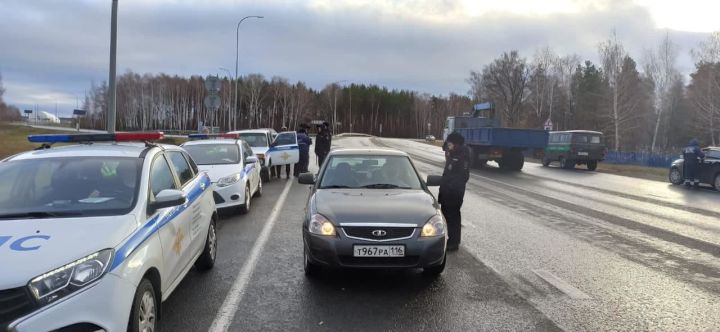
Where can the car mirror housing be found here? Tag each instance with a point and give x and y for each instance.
(168, 198)
(251, 160)
(306, 178)
(433, 180)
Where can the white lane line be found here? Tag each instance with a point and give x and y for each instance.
(561, 285)
(227, 311)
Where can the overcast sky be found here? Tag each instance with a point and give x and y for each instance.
(52, 50)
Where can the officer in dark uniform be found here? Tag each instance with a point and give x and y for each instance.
(304, 142)
(692, 155)
(452, 187)
(322, 142)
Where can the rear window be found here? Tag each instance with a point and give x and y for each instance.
(256, 140)
(214, 154)
(587, 139)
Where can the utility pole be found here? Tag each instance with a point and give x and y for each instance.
(237, 49)
(113, 50)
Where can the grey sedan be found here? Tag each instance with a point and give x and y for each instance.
(369, 208)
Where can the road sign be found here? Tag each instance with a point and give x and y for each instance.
(548, 124)
(212, 84)
(28, 111)
(79, 112)
(212, 102)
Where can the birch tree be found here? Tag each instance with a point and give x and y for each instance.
(660, 68)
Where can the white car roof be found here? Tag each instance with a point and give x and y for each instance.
(253, 131)
(89, 150)
(211, 141)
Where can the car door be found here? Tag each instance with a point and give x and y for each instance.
(284, 149)
(172, 221)
(194, 212)
(252, 170)
(709, 167)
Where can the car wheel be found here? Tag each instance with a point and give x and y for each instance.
(245, 208)
(311, 269)
(592, 165)
(676, 177)
(258, 191)
(265, 174)
(206, 261)
(144, 312)
(435, 271)
(546, 161)
(566, 164)
(716, 182)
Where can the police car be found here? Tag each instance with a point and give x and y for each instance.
(272, 148)
(233, 168)
(95, 236)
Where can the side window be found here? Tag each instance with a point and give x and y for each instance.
(247, 151)
(182, 168)
(161, 177)
(192, 163)
(288, 138)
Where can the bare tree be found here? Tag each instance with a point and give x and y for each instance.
(660, 68)
(505, 81)
(705, 85)
(612, 55)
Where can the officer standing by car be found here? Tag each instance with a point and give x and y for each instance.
(277, 169)
(692, 154)
(452, 188)
(304, 142)
(322, 142)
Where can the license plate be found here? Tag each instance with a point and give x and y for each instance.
(378, 251)
(582, 153)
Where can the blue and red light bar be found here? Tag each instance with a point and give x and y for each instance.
(209, 136)
(78, 138)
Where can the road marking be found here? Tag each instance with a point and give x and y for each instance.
(561, 285)
(227, 311)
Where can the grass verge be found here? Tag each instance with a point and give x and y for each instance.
(13, 138)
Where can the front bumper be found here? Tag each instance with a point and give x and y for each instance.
(337, 251)
(105, 305)
(230, 196)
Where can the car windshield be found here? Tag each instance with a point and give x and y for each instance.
(255, 140)
(57, 187)
(368, 171)
(714, 154)
(214, 154)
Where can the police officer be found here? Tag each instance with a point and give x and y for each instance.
(322, 142)
(304, 142)
(278, 168)
(691, 164)
(452, 187)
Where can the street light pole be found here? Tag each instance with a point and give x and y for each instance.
(113, 50)
(237, 48)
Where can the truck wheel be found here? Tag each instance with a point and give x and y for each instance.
(566, 164)
(546, 162)
(481, 163)
(592, 165)
(512, 161)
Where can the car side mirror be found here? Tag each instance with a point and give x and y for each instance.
(433, 180)
(251, 160)
(167, 198)
(306, 178)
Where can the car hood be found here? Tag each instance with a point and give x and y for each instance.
(216, 172)
(374, 205)
(52, 243)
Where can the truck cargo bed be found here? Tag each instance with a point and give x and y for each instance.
(505, 137)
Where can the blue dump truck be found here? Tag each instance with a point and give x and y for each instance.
(489, 141)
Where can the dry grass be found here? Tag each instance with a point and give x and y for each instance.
(13, 138)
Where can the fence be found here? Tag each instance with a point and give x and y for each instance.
(641, 158)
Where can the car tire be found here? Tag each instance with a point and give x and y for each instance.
(436, 270)
(545, 162)
(144, 311)
(566, 164)
(592, 165)
(676, 178)
(311, 269)
(265, 174)
(259, 189)
(245, 207)
(206, 261)
(716, 182)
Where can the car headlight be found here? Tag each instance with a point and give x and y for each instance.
(67, 279)
(229, 180)
(321, 226)
(434, 227)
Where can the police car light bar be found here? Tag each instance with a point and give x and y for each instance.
(77, 138)
(208, 136)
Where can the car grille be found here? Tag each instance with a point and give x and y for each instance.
(218, 198)
(391, 233)
(14, 303)
(407, 261)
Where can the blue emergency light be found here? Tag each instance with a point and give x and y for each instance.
(77, 138)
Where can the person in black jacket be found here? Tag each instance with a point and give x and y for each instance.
(692, 156)
(323, 141)
(452, 187)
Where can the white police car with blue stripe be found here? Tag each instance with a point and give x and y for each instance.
(96, 236)
(233, 168)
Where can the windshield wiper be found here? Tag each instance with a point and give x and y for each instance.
(39, 215)
(385, 186)
(334, 187)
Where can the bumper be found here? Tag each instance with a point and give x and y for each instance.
(229, 196)
(337, 251)
(105, 305)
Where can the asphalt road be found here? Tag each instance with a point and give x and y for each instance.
(544, 249)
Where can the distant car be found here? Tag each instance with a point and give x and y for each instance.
(575, 147)
(368, 208)
(430, 138)
(709, 169)
(233, 169)
(271, 148)
(96, 236)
